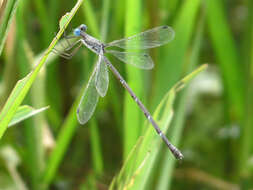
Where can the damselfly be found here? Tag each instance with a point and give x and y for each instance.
(99, 80)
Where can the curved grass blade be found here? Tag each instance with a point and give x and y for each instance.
(102, 77)
(139, 59)
(148, 39)
(151, 144)
(88, 101)
(25, 112)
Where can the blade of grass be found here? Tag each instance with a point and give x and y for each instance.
(246, 137)
(97, 158)
(25, 112)
(9, 12)
(22, 87)
(228, 60)
(132, 114)
(226, 52)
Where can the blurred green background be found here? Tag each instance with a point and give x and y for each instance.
(212, 122)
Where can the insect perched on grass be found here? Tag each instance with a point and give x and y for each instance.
(99, 80)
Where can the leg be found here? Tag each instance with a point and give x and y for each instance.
(69, 55)
(73, 45)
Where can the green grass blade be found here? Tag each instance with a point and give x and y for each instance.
(97, 157)
(246, 137)
(25, 112)
(132, 114)
(229, 62)
(9, 12)
(226, 52)
(22, 87)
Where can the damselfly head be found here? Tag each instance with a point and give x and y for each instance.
(81, 28)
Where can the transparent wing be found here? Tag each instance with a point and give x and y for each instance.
(102, 77)
(139, 59)
(148, 39)
(88, 101)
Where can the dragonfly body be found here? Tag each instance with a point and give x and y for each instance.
(98, 82)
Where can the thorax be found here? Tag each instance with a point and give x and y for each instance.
(93, 44)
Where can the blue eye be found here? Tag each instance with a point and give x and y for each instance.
(77, 32)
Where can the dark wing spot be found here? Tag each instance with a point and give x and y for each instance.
(165, 27)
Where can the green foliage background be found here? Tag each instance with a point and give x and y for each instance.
(212, 122)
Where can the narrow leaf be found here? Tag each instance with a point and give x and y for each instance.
(25, 112)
